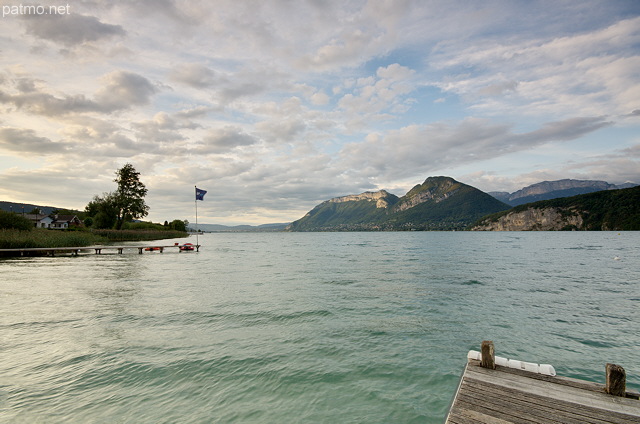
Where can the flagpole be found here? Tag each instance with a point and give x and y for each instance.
(197, 232)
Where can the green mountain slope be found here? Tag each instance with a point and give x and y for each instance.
(617, 210)
(442, 203)
(438, 203)
(355, 212)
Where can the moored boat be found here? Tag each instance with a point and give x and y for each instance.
(187, 246)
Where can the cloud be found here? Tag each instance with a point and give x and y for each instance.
(163, 128)
(379, 97)
(48, 104)
(499, 88)
(26, 141)
(421, 149)
(121, 90)
(70, 30)
(320, 98)
(569, 129)
(583, 73)
(223, 140)
(193, 74)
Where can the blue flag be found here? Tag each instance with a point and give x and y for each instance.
(200, 193)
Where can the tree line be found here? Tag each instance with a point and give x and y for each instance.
(112, 210)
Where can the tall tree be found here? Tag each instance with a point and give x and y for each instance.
(103, 210)
(129, 197)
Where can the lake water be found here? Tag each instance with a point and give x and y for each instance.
(307, 327)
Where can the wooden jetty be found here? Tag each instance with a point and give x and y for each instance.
(500, 394)
(75, 251)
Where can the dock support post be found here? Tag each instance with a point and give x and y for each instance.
(616, 380)
(488, 355)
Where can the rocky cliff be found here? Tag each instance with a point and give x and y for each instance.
(534, 219)
(380, 197)
(434, 189)
(608, 210)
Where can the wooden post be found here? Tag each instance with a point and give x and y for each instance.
(616, 380)
(488, 355)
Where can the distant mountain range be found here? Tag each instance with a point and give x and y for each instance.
(26, 207)
(547, 190)
(440, 203)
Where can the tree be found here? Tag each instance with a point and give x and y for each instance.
(103, 210)
(10, 220)
(178, 225)
(129, 197)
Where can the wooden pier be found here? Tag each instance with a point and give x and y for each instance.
(490, 393)
(75, 251)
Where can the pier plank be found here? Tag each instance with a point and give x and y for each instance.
(75, 251)
(506, 395)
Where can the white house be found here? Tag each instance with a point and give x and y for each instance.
(63, 222)
(39, 220)
(57, 222)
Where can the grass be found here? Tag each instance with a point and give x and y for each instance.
(38, 237)
(43, 238)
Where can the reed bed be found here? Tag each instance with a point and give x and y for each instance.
(17, 239)
(43, 238)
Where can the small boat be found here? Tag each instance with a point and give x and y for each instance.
(149, 249)
(187, 246)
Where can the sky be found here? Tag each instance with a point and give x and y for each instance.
(275, 106)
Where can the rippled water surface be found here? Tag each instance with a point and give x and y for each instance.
(307, 327)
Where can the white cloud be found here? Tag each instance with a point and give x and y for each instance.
(120, 90)
(422, 149)
(26, 140)
(194, 74)
(583, 73)
(70, 29)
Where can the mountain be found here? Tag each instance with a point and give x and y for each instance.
(547, 190)
(358, 211)
(440, 203)
(26, 207)
(614, 210)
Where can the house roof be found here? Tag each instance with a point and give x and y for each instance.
(34, 217)
(65, 218)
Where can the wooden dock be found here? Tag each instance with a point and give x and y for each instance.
(506, 395)
(75, 251)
